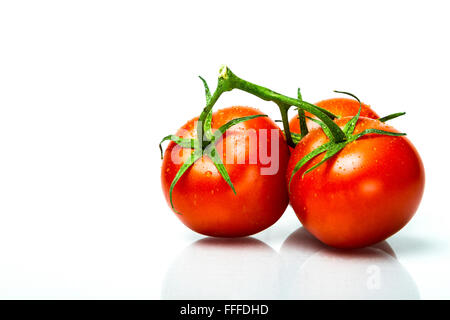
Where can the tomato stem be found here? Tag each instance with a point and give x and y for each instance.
(230, 81)
(301, 118)
(284, 108)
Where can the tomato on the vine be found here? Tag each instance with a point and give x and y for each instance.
(203, 198)
(362, 194)
(353, 181)
(341, 107)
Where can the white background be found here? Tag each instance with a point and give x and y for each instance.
(88, 89)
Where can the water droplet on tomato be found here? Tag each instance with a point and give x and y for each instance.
(208, 173)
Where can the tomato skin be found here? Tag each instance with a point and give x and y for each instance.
(206, 202)
(341, 107)
(362, 195)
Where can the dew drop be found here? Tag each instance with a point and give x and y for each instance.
(208, 173)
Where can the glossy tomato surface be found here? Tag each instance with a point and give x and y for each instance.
(341, 107)
(363, 194)
(206, 202)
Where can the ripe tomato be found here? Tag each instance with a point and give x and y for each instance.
(363, 194)
(341, 107)
(206, 202)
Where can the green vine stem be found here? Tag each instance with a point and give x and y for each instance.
(284, 108)
(204, 144)
(229, 81)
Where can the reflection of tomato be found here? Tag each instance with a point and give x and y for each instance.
(341, 107)
(311, 270)
(213, 268)
(363, 194)
(206, 202)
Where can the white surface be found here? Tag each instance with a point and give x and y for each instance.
(88, 88)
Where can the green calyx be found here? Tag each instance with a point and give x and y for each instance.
(392, 116)
(333, 147)
(205, 144)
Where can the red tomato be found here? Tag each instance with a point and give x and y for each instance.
(206, 202)
(341, 107)
(362, 195)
